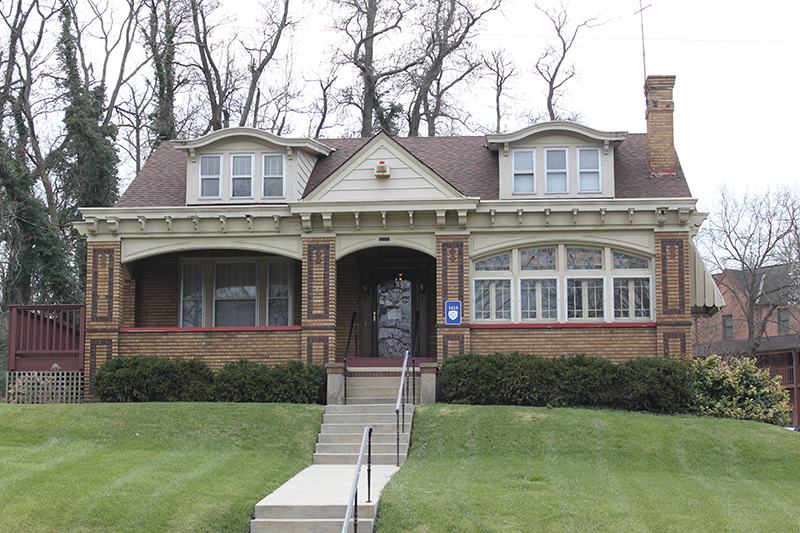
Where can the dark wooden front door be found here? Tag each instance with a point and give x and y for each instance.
(394, 307)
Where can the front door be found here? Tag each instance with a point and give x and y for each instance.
(394, 308)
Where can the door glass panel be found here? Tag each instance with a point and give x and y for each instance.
(394, 317)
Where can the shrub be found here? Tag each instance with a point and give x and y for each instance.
(296, 382)
(585, 381)
(471, 378)
(526, 380)
(136, 379)
(737, 389)
(656, 385)
(194, 381)
(242, 381)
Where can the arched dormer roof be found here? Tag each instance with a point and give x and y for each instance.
(310, 145)
(496, 141)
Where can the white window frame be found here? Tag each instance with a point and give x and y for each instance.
(241, 176)
(264, 175)
(202, 298)
(632, 301)
(269, 299)
(201, 178)
(548, 171)
(493, 300)
(539, 308)
(514, 171)
(214, 298)
(585, 300)
(598, 170)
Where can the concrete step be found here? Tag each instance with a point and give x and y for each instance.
(359, 428)
(311, 511)
(352, 458)
(365, 408)
(318, 525)
(367, 419)
(355, 438)
(353, 447)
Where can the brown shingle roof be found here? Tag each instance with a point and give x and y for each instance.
(161, 182)
(632, 173)
(464, 162)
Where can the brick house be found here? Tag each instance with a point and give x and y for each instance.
(554, 239)
(727, 332)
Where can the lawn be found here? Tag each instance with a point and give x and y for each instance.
(147, 467)
(202, 468)
(519, 469)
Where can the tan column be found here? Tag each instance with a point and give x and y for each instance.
(452, 284)
(673, 294)
(103, 307)
(319, 300)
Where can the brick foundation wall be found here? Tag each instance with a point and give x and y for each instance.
(616, 344)
(215, 347)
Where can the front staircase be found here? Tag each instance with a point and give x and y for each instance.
(315, 500)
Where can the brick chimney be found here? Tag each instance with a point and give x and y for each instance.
(660, 145)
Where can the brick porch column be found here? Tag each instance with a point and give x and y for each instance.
(318, 344)
(452, 284)
(103, 308)
(673, 294)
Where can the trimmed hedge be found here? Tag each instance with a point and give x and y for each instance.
(732, 389)
(159, 379)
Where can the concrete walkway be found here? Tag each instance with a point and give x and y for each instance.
(318, 492)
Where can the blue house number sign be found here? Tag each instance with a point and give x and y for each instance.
(452, 313)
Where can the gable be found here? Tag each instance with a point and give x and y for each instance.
(407, 177)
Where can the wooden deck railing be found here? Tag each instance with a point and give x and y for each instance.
(42, 335)
(785, 372)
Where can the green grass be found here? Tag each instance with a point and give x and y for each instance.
(510, 469)
(147, 467)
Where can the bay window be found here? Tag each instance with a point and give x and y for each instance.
(562, 284)
(236, 293)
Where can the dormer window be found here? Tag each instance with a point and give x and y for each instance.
(588, 170)
(210, 175)
(273, 176)
(242, 176)
(524, 173)
(556, 172)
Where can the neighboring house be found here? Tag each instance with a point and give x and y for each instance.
(774, 296)
(555, 239)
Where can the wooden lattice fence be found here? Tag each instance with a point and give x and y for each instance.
(44, 387)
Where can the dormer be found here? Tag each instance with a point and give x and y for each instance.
(556, 160)
(248, 166)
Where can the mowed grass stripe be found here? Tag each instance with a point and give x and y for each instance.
(147, 467)
(519, 469)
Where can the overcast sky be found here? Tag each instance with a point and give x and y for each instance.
(736, 64)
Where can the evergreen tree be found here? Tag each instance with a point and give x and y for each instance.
(86, 162)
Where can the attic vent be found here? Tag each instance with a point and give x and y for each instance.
(382, 170)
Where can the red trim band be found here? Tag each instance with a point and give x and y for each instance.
(560, 326)
(192, 330)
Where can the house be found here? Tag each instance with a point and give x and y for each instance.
(773, 292)
(554, 239)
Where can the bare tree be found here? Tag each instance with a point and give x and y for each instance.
(501, 70)
(743, 239)
(365, 23)
(262, 54)
(448, 58)
(551, 63)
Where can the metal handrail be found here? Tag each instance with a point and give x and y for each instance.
(401, 400)
(352, 505)
(347, 349)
